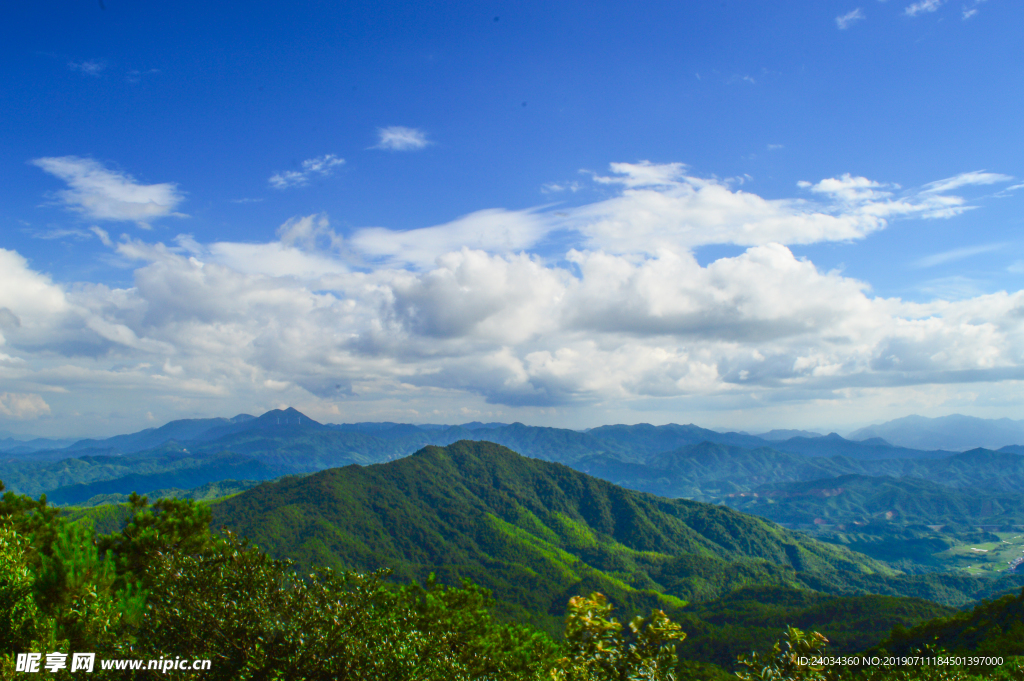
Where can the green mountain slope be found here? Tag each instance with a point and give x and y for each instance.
(747, 618)
(533, 532)
(990, 628)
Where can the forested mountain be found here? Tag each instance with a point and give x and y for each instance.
(890, 502)
(993, 628)
(860, 499)
(533, 531)
(529, 530)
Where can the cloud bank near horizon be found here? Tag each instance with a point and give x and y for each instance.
(470, 313)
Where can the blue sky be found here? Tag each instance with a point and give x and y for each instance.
(743, 215)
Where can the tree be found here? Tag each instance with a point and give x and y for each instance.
(598, 651)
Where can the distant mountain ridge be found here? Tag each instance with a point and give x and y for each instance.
(181, 430)
(954, 432)
(634, 442)
(285, 441)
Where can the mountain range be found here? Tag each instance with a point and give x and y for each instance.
(956, 431)
(617, 509)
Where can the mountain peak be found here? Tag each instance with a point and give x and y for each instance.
(289, 416)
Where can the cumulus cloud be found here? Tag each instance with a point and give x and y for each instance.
(307, 248)
(323, 166)
(844, 21)
(104, 194)
(23, 406)
(662, 206)
(469, 312)
(494, 230)
(399, 138)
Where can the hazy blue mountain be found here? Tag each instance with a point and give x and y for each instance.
(181, 430)
(670, 460)
(275, 421)
(784, 434)
(710, 471)
(206, 470)
(954, 432)
(477, 425)
(860, 498)
(644, 440)
(378, 428)
(14, 445)
(835, 445)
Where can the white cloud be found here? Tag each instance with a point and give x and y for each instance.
(468, 313)
(322, 165)
(90, 67)
(970, 11)
(104, 194)
(399, 138)
(59, 233)
(846, 20)
(554, 187)
(922, 7)
(661, 206)
(23, 406)
(102, 235)
(306, 249)
(493, 230)
(956, 254)
(977, 177)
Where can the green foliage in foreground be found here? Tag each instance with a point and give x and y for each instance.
(165, 587)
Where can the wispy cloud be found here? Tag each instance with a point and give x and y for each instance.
(91, 67)
(322, 165)
(53, 234)
(971, 9)
(776, 147)
(554, 187)
(963, 180)
(399, 138)
(135, 75)
(922, 7)
(956, 254)
(104, 194)
(846, 20)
